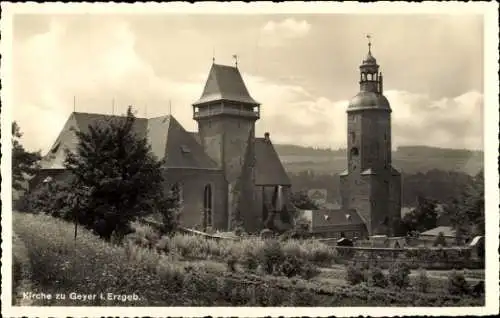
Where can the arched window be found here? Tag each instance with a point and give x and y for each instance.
(207, 205)
(369, 76)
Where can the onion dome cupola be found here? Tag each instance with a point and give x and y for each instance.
(370, 94)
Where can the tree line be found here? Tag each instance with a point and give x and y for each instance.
(441, 186)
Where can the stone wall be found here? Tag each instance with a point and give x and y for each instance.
(192, 183)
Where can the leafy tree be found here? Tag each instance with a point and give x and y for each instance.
(116, 177)
(24, 163)
(466, 211)
(440, 240)
(422, 218)
(301, 200)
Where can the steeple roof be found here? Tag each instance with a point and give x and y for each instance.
(225, 83)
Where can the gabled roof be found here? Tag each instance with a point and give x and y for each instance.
(268, 167)
(225, 83)
(196, 136)
(167, 138)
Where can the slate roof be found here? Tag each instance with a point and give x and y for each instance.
(168, 140)
(337, 217)
(225, 83)
(268, 167)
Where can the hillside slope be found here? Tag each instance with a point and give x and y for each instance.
(408, 159)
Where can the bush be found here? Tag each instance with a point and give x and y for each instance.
(422, 282)
(378, 278)
(238, 231)
(266, 234)
(249, 262)
(478, 289)
(457, 285)
(231, 263)
(52, 199)
(309, 271)
(399, 275)
(355, 274)
(271, 256)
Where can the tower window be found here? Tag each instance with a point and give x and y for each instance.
(354, 151)
(353, 137)
(369, 77)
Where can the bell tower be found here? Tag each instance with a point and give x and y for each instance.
(370, 185)
(226, 116)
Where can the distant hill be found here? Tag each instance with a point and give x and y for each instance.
(408, 159)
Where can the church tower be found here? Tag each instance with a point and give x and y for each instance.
(226, 116)
(370, 185)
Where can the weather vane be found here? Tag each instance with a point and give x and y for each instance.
(369, 37)
(235, 57)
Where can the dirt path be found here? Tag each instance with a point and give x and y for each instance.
(21, 257)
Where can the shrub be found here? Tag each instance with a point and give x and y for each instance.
(238, 231)
(249, 262)
(309, 271)
(440, 240)
(422, 282)
(291, 266)
(355, 274)
(231, 263)
(399, 275)
(271, 256)
(478, 289)
(266, 234)
(378, 278)
(457, 285)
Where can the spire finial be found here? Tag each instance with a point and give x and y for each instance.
(369, 37)
(235, 57)
(213, 55)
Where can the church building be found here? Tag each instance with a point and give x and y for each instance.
(370, 187)
(226, 176)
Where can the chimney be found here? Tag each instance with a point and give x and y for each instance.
(266, 136)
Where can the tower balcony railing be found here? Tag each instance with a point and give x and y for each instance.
(209, 112)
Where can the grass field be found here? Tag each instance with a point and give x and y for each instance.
(186, 273)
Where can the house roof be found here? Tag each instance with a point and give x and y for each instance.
(337, 217)
(168, 140)
(268, 167)
(225, 83)
(447, 231)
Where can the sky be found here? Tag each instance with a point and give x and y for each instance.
(303, 69)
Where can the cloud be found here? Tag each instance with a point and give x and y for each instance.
(96, 66)
(277, 33)
(97, 62)
(293, 115)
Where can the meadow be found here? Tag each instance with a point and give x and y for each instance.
(184, 270)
